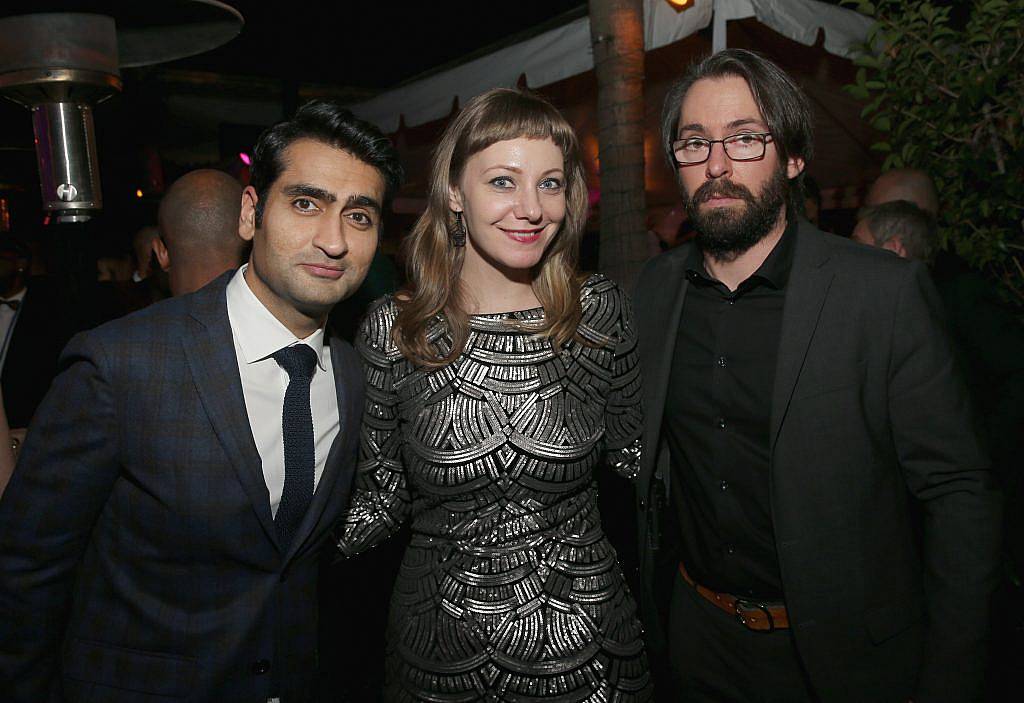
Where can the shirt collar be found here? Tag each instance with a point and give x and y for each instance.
(776, 267)
(259, 334)
(774, 270)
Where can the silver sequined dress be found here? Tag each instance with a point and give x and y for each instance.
(509, 590)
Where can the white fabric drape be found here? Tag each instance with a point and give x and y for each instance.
(565, 51)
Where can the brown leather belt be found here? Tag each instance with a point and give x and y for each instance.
(761, 617)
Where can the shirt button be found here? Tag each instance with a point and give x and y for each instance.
(721, 361)
(729, 549)
(261, 666)
(724, 485)
(730, 301)
(721, 422)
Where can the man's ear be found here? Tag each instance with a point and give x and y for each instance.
(162, 256)
(455, 199)
(247, 217)
(895, 244)
(794, 167)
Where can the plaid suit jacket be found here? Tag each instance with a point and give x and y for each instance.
(138, 556)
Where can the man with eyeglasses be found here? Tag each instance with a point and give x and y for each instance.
(817, 520)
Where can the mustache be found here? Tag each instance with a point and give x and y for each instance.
(719, 189)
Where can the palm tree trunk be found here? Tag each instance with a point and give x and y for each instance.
(617, 33)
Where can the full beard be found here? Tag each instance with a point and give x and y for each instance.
(725, 233)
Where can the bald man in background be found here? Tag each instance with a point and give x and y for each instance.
(905, 184)
(198, 221)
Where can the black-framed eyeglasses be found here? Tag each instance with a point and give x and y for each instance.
(748, 146)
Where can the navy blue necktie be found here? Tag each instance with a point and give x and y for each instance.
(299, 361)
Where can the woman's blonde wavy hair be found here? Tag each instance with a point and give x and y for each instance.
(434, 264)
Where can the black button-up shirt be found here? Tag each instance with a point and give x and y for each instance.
(717, 420)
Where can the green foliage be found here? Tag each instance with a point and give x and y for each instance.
(945, 83)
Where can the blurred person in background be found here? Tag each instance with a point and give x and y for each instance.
(114, 268)
(33, 330)
(198, 224)
(910, 184)
(898, 226)
(142, 252)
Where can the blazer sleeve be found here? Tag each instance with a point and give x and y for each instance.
(380, 498)
(948, 472)
(65, 474)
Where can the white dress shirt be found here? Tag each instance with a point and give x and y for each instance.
(258, 335)
(8, 316)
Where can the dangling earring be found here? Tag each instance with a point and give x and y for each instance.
(459, 233)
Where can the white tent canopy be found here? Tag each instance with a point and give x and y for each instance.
(566, 51)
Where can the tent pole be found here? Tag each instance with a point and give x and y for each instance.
(718, 20)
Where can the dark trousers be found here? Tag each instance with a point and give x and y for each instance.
(715, 659)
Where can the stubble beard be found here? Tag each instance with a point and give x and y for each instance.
(724, 233)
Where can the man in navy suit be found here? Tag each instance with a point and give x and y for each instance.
(159, 537)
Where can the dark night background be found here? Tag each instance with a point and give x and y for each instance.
(159, 126)
(203, 110)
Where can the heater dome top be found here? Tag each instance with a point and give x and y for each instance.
(149, 32)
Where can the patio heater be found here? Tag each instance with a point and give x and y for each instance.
(59, 59)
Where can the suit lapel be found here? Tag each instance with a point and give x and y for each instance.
(347, 379)
(809, 283)
(210, 351)
(662, 314)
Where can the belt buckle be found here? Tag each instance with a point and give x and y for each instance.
(752, 605)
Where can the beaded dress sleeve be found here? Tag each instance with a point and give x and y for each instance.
(380, 497)
(608, 320)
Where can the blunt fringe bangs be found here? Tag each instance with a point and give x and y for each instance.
(782, 103)
(434, 264)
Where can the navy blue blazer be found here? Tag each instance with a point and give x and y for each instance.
(138, 556)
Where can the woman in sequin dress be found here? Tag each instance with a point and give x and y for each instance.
(496, 385)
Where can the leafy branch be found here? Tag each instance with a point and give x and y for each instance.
(941, 79)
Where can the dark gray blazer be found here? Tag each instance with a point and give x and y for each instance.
(138, 556)
(870, 430)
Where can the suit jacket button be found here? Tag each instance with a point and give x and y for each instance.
(643, 504)
(261, 666)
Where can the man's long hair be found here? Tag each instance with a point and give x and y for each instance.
(782, 103)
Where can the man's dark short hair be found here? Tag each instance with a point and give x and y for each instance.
(329, 123)
(782, 103)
